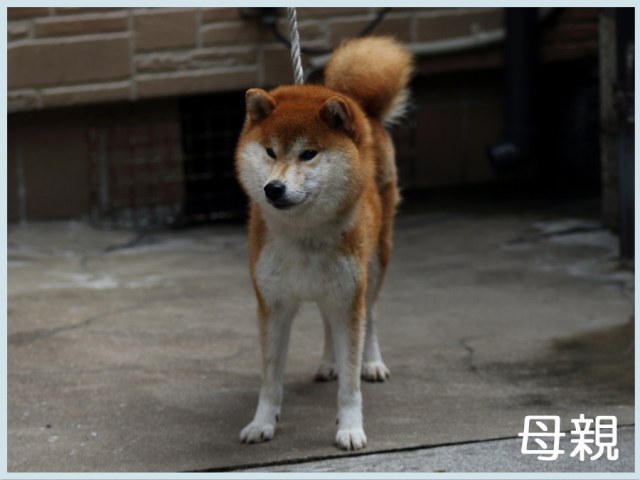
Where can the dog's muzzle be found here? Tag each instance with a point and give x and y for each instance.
(275, 193)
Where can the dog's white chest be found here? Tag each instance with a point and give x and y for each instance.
(304, 272)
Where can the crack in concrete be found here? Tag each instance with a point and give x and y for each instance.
(320, 458)
(464, 342)
(536, 237)
(141, 239)
(24, 338)
(86, 371)
(137, 240)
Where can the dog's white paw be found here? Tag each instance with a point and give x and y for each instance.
(326, 372)
(257, 432)
(351, 439)
(375, 371)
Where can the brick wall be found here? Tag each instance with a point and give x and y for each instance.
(73, 56)
(96, 71)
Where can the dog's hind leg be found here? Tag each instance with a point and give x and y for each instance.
(275, 327)
(327, 369)
(373, 368)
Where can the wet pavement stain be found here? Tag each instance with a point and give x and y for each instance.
(597, 365)
(602, 358)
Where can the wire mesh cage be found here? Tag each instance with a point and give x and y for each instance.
(165, 163)
(210, 128)
(137, 176)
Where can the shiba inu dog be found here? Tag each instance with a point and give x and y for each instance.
(318, 166)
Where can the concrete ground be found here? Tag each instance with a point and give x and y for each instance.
(139, 352)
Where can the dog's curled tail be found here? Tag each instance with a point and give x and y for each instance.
(374, 71)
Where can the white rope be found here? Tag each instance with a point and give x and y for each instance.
(298, 74)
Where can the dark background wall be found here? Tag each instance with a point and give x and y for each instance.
(161, 150)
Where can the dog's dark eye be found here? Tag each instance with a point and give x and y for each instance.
(271, 153)
(308, 155)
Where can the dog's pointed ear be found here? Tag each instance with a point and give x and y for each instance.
(337, 114)
(259, 104)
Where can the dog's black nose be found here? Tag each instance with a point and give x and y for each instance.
(274, 190)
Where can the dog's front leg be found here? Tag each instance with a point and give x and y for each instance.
(347, 328)
(275, 326)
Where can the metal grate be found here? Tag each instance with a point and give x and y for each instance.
(210, 128)
(166, 162)
(137, 177)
